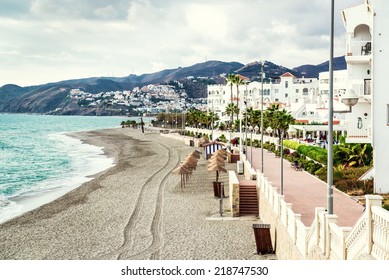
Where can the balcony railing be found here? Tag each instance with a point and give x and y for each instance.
(359, 48)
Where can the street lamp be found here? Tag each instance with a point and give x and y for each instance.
(243, 138)
(269, 130)
(251, 145)
(256, 129)
(262, 65)
(282, 162)
(291, 131)
(233, 129)
(349, 99)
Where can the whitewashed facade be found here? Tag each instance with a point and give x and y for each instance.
(287, 90)
(367, 63)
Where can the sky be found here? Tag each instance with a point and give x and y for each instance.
(45, 41)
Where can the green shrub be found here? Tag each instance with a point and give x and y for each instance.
(222, 138)
(291, 144)
(315, 153)
(256, 143)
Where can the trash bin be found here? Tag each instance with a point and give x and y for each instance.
(216, 189)
(263, 239)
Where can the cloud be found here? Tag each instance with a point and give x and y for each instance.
(66, 39)
(107, 12)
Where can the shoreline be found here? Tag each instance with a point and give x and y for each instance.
(34, 199)
(134, 210)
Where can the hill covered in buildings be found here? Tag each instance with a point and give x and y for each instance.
(104, 95)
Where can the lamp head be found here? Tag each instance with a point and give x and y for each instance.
(349, 98)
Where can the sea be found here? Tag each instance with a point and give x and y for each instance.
(39, 162)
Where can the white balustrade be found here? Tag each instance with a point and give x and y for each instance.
(369, 236)
(380, 248)
(301, 236)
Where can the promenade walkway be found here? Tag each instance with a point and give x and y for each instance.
(305, 191)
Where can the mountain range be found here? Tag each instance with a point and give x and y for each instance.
(48, 97)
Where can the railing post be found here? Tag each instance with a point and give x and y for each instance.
(297, 217)
(288, 206)
(345, 232)
(329, 218)
(318, 210)
(371, 200)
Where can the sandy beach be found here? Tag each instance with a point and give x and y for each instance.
(134, 210)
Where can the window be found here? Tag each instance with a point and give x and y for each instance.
(286, 84)
(297, 90)
(276, 100)
(367, 87)
(276, 90)
(286, 95)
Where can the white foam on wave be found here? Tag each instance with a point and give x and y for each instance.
(85, 161)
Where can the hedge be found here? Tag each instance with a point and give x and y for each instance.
(316, 153)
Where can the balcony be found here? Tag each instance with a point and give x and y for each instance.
(359, 52)
(363, 89)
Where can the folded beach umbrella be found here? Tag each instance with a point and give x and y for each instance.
(189, 164)
(184, 172)
(196, 153)
(218, 167)
(217, 158)
(203, 141)
(191, 157)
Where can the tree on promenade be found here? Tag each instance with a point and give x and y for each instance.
(231, 109)
(230, 81)
(238, 81)
(277, 119)
(193, 117)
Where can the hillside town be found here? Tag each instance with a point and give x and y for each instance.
(147, 100)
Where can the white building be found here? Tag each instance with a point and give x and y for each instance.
(286, 89)
(367, 62)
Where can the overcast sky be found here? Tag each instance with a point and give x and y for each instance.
(51, 40)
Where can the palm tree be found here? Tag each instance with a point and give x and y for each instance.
(282, 120)
(212, 117)
(231, 81)
(231, 109)
(238, 81)
(269, 116)
(193, 117)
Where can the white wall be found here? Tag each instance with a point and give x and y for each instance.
(380, 100)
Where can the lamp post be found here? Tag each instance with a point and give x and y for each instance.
(251, 145)
(212, 122)
(256, 128)
(282, 162)
(241, 142)
(245, 138)
(269, 130)
(262, 65)
(330, 175)
(291, 131)
(233, 133)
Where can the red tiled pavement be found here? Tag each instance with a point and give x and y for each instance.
(306, 192)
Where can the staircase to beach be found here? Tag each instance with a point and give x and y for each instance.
(248, 198)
